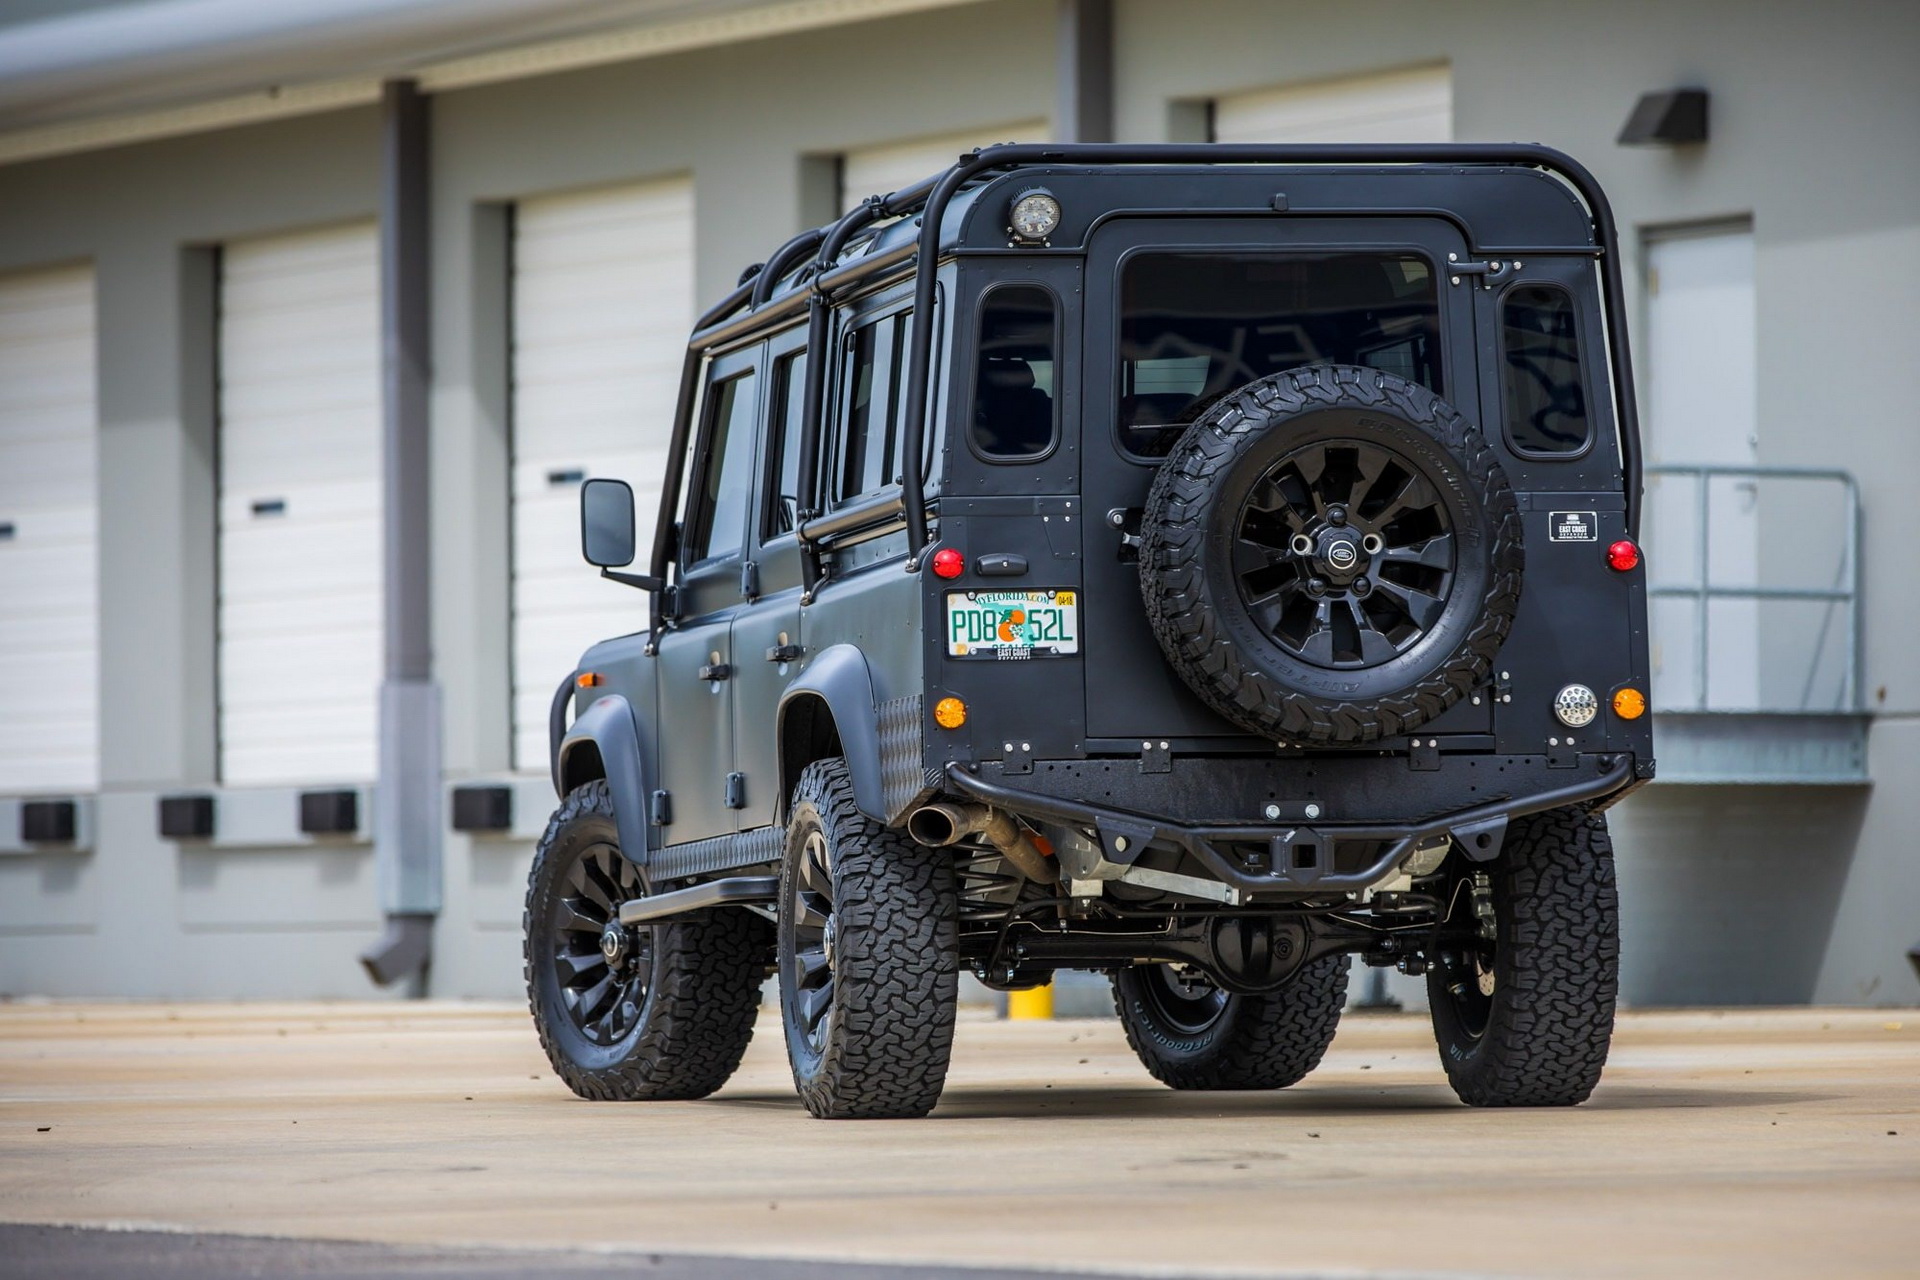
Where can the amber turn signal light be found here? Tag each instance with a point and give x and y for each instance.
(949, 713)
(1629, 704)
(588, 679)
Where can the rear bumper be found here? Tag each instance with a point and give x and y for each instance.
(1298, 855)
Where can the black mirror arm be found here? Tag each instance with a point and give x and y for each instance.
(644, 581)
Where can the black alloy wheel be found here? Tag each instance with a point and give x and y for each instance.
(603, 967)
(1183, 1000)
(809, 965)
(1344, 553)
(1465, 964)
(661, 1011)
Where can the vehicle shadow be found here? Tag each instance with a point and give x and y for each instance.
(1305, 1103)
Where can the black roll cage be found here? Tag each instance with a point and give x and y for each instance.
(931, 196)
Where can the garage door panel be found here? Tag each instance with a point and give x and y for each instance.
(46, 475)
(300, 508)
(602, 302)
(1414, 105)
(49, 557)
(869, 171)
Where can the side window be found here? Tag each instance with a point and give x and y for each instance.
(726, 480)
(1546, 400)
(783, 442)
(874, 415)
(1013, 387)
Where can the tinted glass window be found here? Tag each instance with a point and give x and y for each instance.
(721, 523)
(1546, 400)
(1196, 326)
(783, 466)
(1013, 389)
(870, 437)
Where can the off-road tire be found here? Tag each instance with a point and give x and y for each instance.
(1267, 1040)
(895, 970)
(701, 999)
(1194, 605)
(1556, 967)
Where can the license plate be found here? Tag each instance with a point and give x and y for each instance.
(1012, 624)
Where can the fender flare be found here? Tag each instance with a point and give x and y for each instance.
(841, 679)
(608, 727)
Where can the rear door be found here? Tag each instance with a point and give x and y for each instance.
(1180, 311)
(766, 629)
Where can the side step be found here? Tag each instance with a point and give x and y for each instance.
(734, 890)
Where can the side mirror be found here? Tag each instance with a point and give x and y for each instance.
(606, 523)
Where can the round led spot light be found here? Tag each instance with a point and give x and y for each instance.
(1576, 706)
(1034, 216)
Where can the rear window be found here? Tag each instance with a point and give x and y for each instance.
(1546, 399)
(1013, 390)
(1196, 326)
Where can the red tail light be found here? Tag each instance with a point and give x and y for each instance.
(948, 563)
(1622, 556)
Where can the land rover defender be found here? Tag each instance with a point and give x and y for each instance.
(1198, 564)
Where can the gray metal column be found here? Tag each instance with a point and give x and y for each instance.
(407, 794)
(1084, 111)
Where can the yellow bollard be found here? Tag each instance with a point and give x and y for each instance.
(1033, 1003)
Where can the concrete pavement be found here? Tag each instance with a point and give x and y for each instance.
(1776, 1143)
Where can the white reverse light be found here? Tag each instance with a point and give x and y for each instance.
(1576, 706)
(1034, 216)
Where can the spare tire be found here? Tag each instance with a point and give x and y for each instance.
(1331, 555)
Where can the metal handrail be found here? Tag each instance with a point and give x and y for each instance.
(1704, 589)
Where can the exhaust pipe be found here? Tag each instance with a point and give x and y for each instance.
(944, 824)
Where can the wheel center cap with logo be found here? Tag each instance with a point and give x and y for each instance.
(1343, 555)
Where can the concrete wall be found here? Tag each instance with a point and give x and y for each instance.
(1732, 893)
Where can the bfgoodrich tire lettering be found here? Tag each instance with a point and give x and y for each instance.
(1393, 634)
(1527, 1021)
(692, 986)
(1191, 1036)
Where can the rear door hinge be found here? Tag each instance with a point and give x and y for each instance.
(662, 809)
(1482, 273)
(736, 791)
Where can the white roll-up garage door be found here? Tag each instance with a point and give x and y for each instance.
(602, 304)
(875, 171)
(300, 561)
(49, 534)
(1397, 106)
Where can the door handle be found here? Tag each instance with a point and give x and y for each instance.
(715, 671)
(784, 653)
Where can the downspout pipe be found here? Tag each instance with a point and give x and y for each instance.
(406, 844)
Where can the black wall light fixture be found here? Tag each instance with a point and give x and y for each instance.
(1670, 118)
